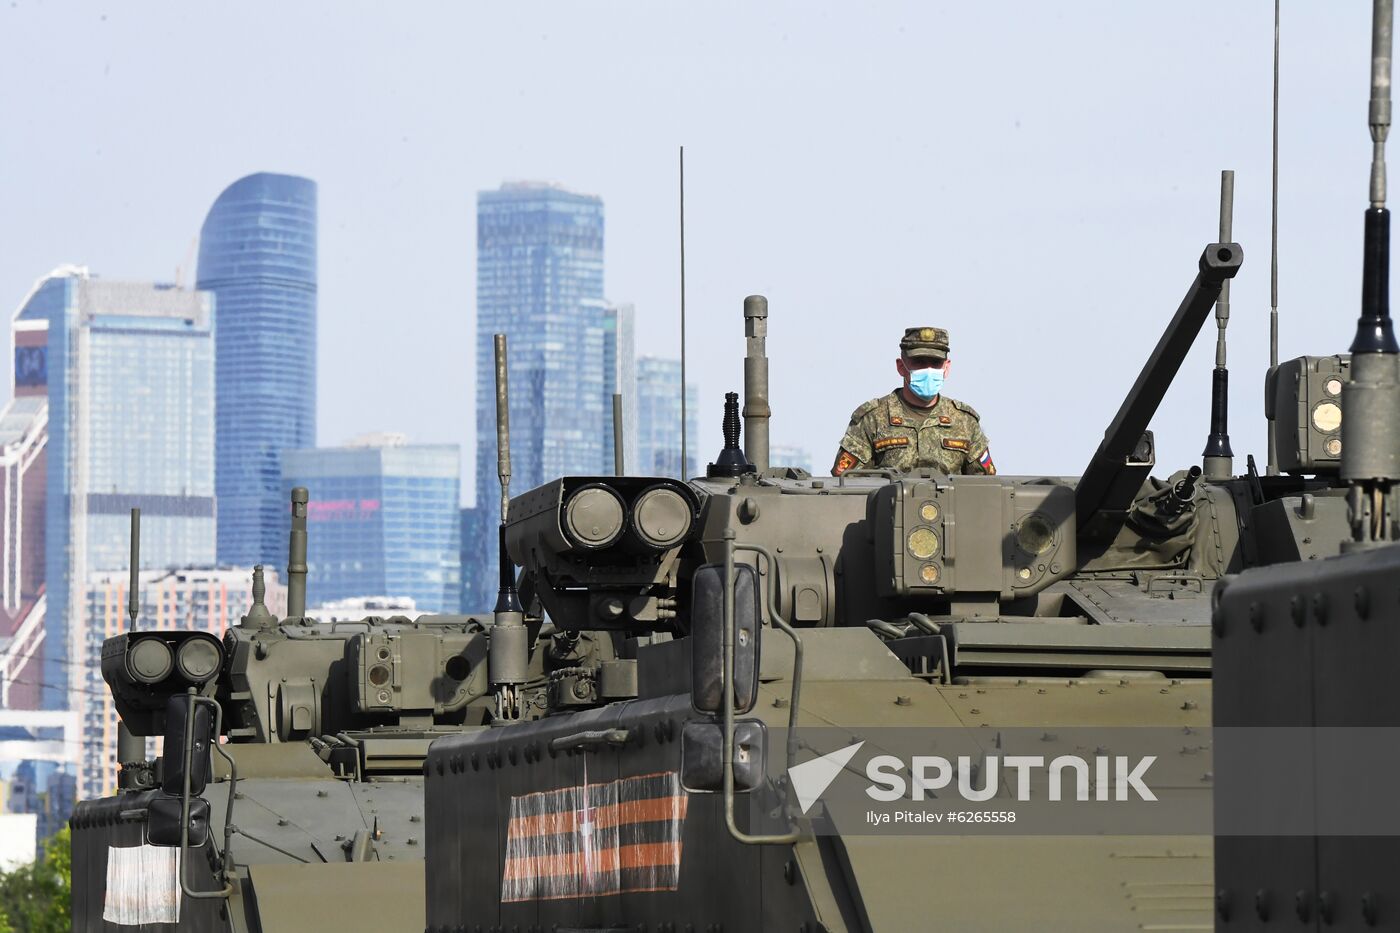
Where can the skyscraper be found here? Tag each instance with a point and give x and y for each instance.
(789, 455)
(659, 420)
(620, 378)
(128, 370)
(257, 254)
(539, 280)
(382, 520)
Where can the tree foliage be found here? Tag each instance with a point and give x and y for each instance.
(35, 897)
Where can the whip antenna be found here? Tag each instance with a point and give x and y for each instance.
(681, 471)
(1272, 468)
(1218, 460)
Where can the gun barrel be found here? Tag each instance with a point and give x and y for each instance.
(756, 410)
(1099, 489)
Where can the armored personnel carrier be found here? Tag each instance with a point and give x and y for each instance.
(312, 817)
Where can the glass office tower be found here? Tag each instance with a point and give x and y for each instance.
(257, 254)
(659, 421)
(539, 280)
(382, 520)
(129, 373)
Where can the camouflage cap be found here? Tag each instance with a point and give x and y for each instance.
(924, 342)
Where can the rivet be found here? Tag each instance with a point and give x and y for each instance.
(1256, 617)
(1319, 602)
(1261, 904)
(1368, 908)
(790, 871)
(1363, 602)
(902, 700)
(1302, 904)
(1324, 906)
(1222, 904)
(1299, 610)
(1188, 705)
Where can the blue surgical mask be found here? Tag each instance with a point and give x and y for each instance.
(926, 383)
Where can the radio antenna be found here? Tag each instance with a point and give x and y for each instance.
(1218, 461)
(1370, 443)
(681, 471)
(1272, 469)
(133, 595)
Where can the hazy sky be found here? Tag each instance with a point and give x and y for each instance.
(1039, 178)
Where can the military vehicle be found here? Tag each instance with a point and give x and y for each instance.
(312, 816)
(1306, 712)
(614, 747)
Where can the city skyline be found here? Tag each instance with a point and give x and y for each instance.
(926, 186)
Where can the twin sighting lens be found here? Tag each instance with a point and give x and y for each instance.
(195, 656)
(597, 516)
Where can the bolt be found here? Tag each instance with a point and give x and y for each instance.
(1368, 908)
(902, 701)
(1324, 906)
(1222, 904)
(1256, 616)
(321, 793)
(1188, 705)
(1302, 903)
(1319, 602)
(1363, 602)
(790, 871)
(1261, 904)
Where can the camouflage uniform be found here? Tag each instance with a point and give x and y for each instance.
(887, 433)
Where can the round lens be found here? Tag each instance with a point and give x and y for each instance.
(661, 517)
(149, 660)
(923, 543)
(199, 658)
(1327, 417)
(928, 573)
(593, 517)
(1035, 536)
(929, 512)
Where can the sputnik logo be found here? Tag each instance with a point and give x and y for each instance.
(811, 778)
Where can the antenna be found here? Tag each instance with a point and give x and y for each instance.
(756, 410)
(1272, 468)
(133, 589)
(1370, 398)
(1218, 460)
(508, 652)
(619, 465)
(683, 437)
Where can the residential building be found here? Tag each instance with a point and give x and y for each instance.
(383, 517)
(257, 254)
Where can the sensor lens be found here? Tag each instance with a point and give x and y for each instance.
(199, 659)
(661, 517)
(1035, 536)
(593, 517)
(1327, 417)
(929, 512)
(150, 660)
(923, 543)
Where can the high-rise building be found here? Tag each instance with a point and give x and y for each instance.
(24, 437)
(382, 520)
(620, 378)
(788, 455)
(129, 371)
(659, 420)
(195, 599)
(257, 254)
(539, 281)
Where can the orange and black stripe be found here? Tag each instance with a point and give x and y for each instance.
(617, 837)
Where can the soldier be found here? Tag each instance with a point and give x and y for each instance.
(916, 426)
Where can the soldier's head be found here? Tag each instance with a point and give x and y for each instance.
(923, 360)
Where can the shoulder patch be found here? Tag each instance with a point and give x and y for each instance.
(866, 409)
(965, 408)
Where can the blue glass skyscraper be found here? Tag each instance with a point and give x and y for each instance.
(382, 520)
(128, 371)
(539, 281)
(659, 420)
(257, 254)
